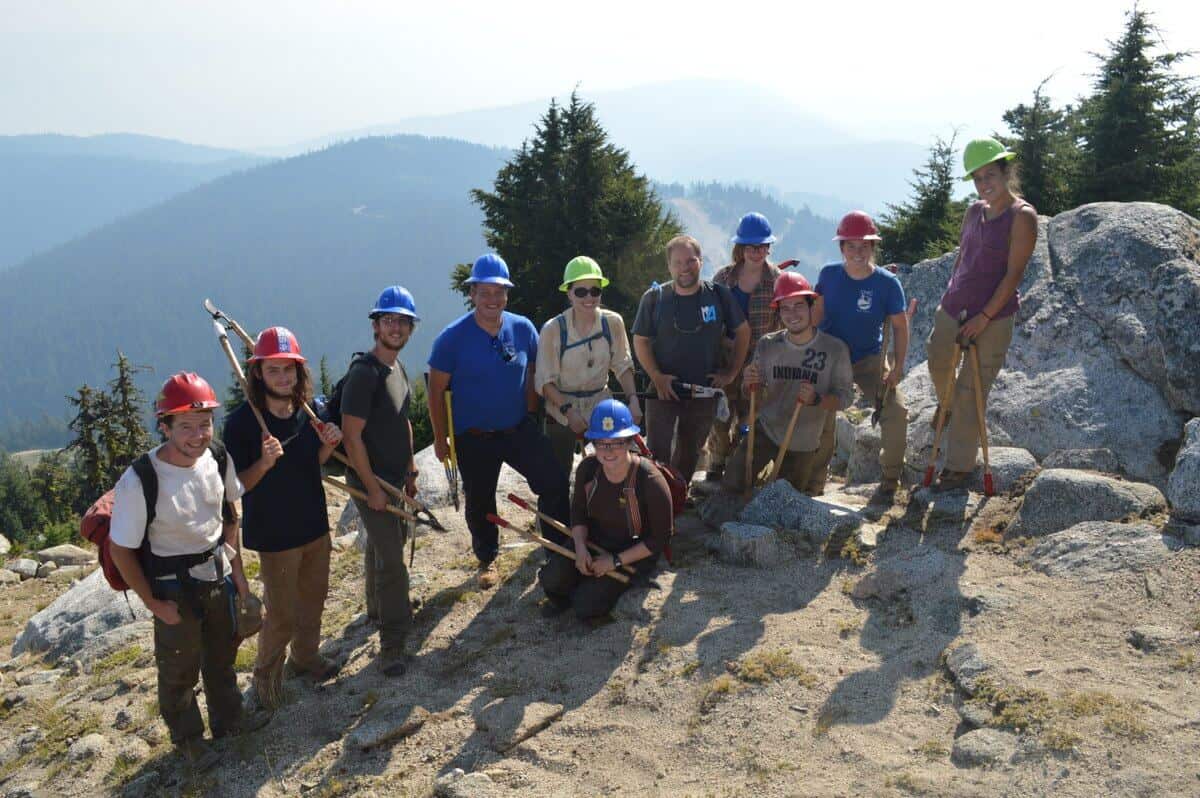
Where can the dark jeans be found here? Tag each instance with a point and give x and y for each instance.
(528, 452)
(201, 643)
(694, 418)
(589, 596)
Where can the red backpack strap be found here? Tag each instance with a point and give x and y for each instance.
(631, 499)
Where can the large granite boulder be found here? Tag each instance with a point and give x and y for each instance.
(1183, 489)
(1099, 358)
(90, 609)
(1059, 498)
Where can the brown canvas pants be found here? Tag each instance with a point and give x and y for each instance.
(797, 466)
(893, 428)
(202, 643)
(295, 584)
(962, 436)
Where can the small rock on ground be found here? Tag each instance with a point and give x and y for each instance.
(984, 747)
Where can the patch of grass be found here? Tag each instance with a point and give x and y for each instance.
(855, 415)
(985, 536)
(851, 551)
(502, 687)
(124, 768)
(847, 586)
(716, 691)
(933, 749)
(688, 668)
(847, 627)
(1125, 721)
(1057, 738)
(58, 726)
(759, 667)
(369, 699)
(115, 664)
(1185, 662)
(466, 562)
(618, 692)
(244, 661)
(909, 783)
(252, 568)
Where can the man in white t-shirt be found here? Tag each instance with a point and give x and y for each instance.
(178, 557)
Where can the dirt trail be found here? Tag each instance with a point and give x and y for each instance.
(727, 681)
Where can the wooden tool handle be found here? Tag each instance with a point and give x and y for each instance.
(498, 521)
(358, 494)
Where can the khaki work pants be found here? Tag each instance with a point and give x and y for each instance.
(295, 584)
(962, 436)
(893, 427)
(202, 643)
(797, 466)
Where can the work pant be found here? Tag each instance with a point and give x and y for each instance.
(385, 574)
(962, 437)
(893, 428)
(295, 584)
(563, 441)
(797, 466)
(202, 643)
(527, 451)
(589, 596)
(693, 417)
(724, 433)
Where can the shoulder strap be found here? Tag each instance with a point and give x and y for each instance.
(219, 454)
(631, 498)
(660, 296)
(561, 318)
(604, 330)
(149, 479)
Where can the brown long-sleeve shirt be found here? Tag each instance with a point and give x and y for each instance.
(606, 516)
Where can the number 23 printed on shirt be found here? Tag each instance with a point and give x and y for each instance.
(814, 360)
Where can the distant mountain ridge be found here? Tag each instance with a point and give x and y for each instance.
(690, 131)
(305, 242)
(59, 187)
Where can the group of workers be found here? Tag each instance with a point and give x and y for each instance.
(755, 354)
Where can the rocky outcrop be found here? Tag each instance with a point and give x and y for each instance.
(87, 611)
(1059, 498)
(1184, 487)
(1099, 356)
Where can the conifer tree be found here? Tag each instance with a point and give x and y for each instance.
(567, 192)
(326, 388)
(235, 396)
(90, 425)
(127, 436)
(1044, 139)
(1139, 127)
(927, 224)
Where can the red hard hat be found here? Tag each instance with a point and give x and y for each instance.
(277, 343)
(789, 285)
(184, 392)
(857, 226)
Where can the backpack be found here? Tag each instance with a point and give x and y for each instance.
(330, 408)
(96, 524)
(708, 296)
(563, 346)
(675, 485)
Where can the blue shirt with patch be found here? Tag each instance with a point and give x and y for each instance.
(856, 309)
(487, 375)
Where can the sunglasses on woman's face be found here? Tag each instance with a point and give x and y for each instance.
(582, 292)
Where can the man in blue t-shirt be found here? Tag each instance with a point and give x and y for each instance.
(486, 359)
(857, 299)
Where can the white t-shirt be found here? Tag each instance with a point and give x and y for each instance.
(187, 516)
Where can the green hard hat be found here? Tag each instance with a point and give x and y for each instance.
(581, 267)
(981, 152)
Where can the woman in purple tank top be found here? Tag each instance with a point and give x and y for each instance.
(999, 232)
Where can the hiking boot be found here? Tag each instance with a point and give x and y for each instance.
(322, 670)
(199, 754)
(953, 480)
(552, 609)
(394, 666)
(886, 490)
(489, 575)
(252, 719)
(714, 474)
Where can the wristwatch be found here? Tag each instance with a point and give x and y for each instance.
(616, 561)
(564, 407)
(816, 398)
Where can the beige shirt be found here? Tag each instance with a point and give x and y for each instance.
(583, 368)
(824, 361)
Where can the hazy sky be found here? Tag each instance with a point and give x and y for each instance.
(271, 72)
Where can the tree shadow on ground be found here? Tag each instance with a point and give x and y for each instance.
(915, 606)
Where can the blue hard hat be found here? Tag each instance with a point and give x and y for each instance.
(396, 299)
(490, 268)
(611, 419)
(754, 229)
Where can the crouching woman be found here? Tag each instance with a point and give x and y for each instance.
(621, 505)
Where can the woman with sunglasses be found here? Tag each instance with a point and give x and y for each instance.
(622, 505)
(576, 351)
(751, 280)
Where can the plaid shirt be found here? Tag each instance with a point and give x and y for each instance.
(762, 317)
